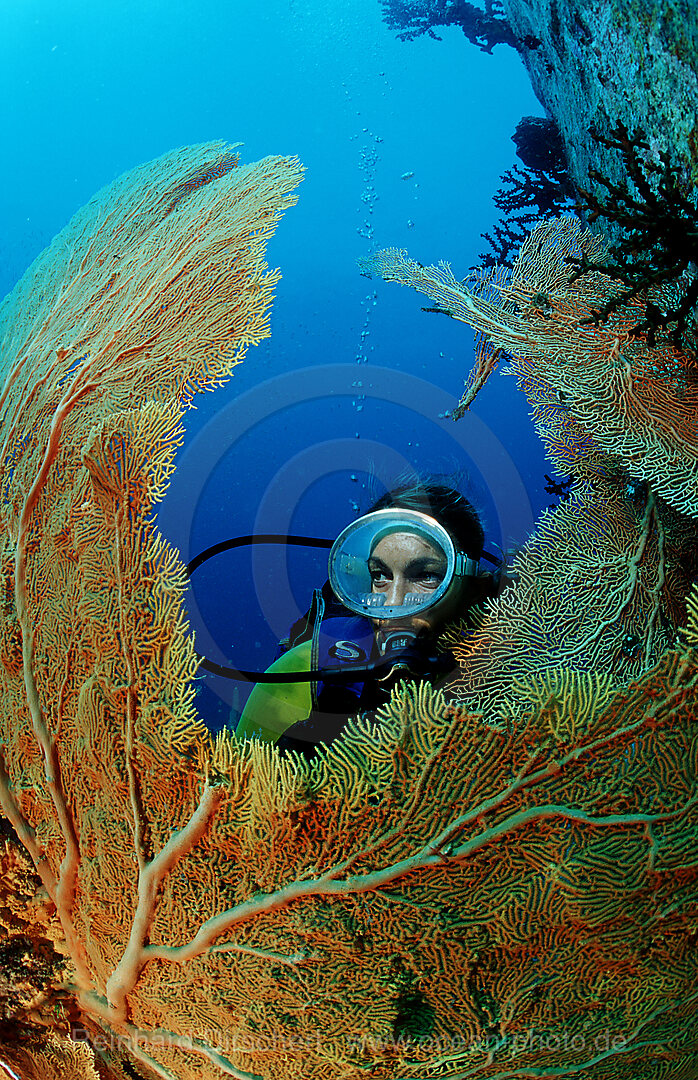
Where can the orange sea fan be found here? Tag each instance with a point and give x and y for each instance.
(596, 390)
(456, 887)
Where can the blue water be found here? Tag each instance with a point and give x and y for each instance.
(355, 378)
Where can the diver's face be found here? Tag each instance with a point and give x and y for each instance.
(403, 563)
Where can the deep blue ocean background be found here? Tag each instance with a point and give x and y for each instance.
(404, 144)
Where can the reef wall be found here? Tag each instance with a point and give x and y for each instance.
(600, 61)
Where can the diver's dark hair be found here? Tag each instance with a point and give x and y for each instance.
(450, 508)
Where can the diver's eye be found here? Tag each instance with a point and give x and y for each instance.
(428, 579)
(379, 578)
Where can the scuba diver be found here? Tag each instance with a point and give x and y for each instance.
(397, 575)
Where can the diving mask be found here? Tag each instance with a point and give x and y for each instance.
(354, 569)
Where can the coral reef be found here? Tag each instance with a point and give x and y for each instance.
(542, 188)
(655, 256)
(540, 146)
(153, 291)
(525, 196)
(627, 60)
(484, 27)
(33, 971)
(601, 397)
(560, 489)
(494, 882)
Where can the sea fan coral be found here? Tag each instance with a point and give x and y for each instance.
(482, 889)
(599, 394)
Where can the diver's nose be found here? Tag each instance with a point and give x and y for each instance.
(396, 592)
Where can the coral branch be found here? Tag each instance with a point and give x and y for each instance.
(150, 879)
(429, 855)
(159, 1037)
